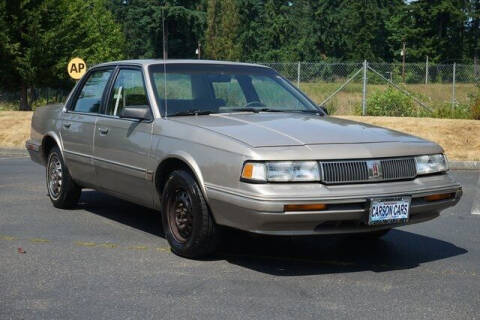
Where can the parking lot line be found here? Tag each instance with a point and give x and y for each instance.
(476, 200)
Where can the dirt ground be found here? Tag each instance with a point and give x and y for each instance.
(14, 128)
(459, 138)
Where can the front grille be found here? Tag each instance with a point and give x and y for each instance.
(344, 171)
(394, 169)
(356, 171)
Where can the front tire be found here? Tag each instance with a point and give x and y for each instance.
(62, 190)
(189, 227)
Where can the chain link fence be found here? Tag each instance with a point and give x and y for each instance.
(340, 86)
(347, 88)
(10, 100)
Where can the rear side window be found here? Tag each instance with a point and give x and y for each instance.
(128, 91)
(90, 98)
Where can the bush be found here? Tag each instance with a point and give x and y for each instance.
(390, 102)
(475, 106)
(461, 111)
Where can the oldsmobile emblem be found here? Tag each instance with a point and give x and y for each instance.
(374, 170)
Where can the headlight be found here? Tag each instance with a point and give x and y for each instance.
(431, 164)
(281, 171)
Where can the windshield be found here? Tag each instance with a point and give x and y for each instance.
(212, 88)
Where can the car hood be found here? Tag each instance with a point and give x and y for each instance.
(293, 129)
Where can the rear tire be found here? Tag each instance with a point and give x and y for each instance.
(62, 190)
(189, 227)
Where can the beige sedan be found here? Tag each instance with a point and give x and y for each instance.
(220, 144)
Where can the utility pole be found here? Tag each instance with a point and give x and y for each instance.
(403, 62)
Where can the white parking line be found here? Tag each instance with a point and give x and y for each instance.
(476, 200)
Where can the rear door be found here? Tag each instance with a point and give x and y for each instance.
(78, 125)
(122, 146)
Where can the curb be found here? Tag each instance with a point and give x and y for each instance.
(12, 153)
(453, 164)
(464, 165)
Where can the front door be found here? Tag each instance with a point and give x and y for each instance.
(122, 146)
(78, 126)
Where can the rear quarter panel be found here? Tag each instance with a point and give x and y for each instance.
(45, 122)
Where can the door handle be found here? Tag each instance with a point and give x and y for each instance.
(103, 131)
(67, 125)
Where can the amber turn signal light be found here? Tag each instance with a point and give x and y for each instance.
(440, 196)
(247, 172)
(305, 207)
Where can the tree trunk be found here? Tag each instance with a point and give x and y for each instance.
(24, 106)
(32, 95)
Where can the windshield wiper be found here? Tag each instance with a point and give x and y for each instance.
(193, 112)
(319, 112)
(256, 110)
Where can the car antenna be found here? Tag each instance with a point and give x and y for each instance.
(164, 63)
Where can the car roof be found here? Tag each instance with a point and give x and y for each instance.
(147, 62)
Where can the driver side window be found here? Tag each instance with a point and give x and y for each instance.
(128, 91)
(90, 97)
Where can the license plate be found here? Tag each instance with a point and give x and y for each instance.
(387, 211)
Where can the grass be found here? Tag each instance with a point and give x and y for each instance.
(457, 137)
(344, 103)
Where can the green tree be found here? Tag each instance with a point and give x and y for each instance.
(141, 22)
(24, 47)
(433, 28)
(472, 33)
(87, 30)
(287, 33)
(355, 30)
(223, 27)
(40, 36)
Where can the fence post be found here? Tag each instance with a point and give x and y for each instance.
(298, 75)
(426, 71)
(453, 84)
(364, 89)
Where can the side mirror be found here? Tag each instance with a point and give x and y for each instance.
(136, 112)
(323, 109)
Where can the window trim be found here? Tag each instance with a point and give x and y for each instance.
(109, 89)
(73, 100)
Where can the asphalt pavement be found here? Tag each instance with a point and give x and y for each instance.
(107, 259)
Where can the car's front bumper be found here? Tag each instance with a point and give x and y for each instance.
(347, 205)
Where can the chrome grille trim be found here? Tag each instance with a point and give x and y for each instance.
(356, 171)
(394, 169)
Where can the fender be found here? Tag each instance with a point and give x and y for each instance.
(192, 164)
(58, 141)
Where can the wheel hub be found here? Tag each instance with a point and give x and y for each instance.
(55, 175)
(182, 216)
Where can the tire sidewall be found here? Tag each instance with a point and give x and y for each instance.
(70, 191)
(182, 179)
(55, 152)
